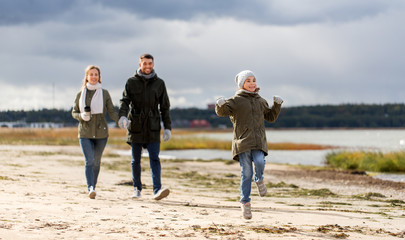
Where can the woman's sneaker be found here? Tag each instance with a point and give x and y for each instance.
(246, 210)
(261, 187)
(162, 193)
(137, 193)
(92, 193)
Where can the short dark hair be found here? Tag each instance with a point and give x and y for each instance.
(146, 55)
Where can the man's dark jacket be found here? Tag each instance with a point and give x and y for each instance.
(145, 103)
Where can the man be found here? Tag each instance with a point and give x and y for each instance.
(143, 106)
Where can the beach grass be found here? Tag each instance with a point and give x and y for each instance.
(182, 139)
(391, 162)
(31, 136)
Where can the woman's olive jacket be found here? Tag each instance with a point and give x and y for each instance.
(145, 103)
(248, 111)
(97, 126)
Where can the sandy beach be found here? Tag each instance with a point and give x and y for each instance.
(43, 196)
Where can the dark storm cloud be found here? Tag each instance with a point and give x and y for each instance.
(286, 12)
(31, 11)
(183, 9)
(260, 11)
(307, 51)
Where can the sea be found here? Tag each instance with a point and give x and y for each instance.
(380, 140)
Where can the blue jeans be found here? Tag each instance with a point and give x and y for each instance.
(92, 150)
(154, 161)
(245, 160)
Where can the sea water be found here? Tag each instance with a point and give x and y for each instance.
(383, 140)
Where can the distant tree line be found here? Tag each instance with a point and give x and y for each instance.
(318, 116)
(339, 116)
(44, 115)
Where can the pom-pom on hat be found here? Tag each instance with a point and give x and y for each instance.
(241, 77)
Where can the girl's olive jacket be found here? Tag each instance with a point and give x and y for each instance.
(97, 126)
(145, 103)
(247, 112)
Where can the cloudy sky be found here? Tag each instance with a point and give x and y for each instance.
(307, 51)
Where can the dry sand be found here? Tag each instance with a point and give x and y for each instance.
(43, 196)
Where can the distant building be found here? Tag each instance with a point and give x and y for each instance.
(211, 106)
(45, 125)
(17, 124)
(196, 123)
(24, 124)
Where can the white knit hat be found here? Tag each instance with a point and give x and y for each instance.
(241, 77)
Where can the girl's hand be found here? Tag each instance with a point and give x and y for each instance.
(220, 101)
(278, 99)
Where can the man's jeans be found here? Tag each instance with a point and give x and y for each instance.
(153, 150)
(92, 150)
(245, 160)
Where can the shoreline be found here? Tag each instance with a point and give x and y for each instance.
(223, 155)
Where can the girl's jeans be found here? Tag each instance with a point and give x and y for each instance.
(154, 161)
(92, 150)
(245, 160)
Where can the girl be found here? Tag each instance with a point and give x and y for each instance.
(247, 111)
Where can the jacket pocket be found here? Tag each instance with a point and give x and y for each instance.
(102, 124)
(136, 125)
(85, 124)
(243, 134)
(154, 123)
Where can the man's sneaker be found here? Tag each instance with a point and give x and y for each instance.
(261, 187)
(137, 193)
(246, 211)
(162, 193)
(92, 193)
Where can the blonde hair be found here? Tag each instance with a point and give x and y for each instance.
(88, 68)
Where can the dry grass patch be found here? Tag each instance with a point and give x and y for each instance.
(182, 139)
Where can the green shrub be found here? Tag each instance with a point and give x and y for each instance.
(367, 161)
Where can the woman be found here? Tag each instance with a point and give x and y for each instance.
(89, 108)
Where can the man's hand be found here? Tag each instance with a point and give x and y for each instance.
(123, 122)
(166, 135)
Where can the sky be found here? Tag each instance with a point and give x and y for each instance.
(309, 52)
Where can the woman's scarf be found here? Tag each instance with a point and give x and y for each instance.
(97, 103)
